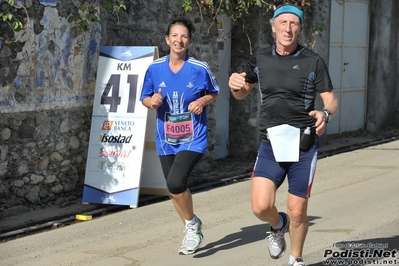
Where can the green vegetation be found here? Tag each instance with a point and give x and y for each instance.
(88, 11)
(236, 9)
(10, 18)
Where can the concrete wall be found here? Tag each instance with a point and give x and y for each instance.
(322, 44)
(383, 85)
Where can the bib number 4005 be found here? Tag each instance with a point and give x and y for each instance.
(114, 100)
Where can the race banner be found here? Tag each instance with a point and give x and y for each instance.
(118, 128)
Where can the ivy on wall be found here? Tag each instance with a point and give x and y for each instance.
(89, 12)
(236, 9)
(13, 20)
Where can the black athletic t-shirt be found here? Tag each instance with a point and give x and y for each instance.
(288, 86)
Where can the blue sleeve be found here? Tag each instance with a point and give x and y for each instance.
(212, 85)
(148, 88)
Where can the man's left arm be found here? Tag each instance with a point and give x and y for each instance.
(329, 110)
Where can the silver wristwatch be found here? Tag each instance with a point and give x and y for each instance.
(327, 115)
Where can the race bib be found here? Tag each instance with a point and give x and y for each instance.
(179, 128)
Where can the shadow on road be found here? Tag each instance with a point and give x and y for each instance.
(243, 237)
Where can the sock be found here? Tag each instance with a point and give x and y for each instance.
(192, 221)
(280, 224)
(292, 259)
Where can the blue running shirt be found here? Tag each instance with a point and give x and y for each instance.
(176, 128)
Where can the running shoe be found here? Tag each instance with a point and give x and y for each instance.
(193, 238)
(277, 244)
(297, 262)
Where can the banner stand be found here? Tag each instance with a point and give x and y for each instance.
(152, 180)
(119, 158)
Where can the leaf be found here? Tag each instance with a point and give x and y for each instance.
(84, 26)
(108, 5)
(17, 25)
(187, 5)
(73, 18)
(11, 2)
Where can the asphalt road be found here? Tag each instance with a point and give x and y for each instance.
(354, 207)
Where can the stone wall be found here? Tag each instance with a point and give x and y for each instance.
(47, 84)
(43, 157)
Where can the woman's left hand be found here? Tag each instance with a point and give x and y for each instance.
(195, 107)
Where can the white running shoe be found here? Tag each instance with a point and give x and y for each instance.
(277, 244)
(193, 238)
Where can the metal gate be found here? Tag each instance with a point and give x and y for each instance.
(348, 62)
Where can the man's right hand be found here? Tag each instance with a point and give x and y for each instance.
(237, 81)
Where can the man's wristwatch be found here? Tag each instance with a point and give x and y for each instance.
(327, 115)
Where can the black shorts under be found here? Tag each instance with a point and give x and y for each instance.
(177, 168)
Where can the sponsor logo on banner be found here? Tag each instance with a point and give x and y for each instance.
(117, 125)
(107, 125)
(127, 53)
(114, 153)
(112, 166)
(123, 125)
(109, 200)
(115, 139)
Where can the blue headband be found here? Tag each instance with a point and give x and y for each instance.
(288, 8)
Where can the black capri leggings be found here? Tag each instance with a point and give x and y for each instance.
(177, 169)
